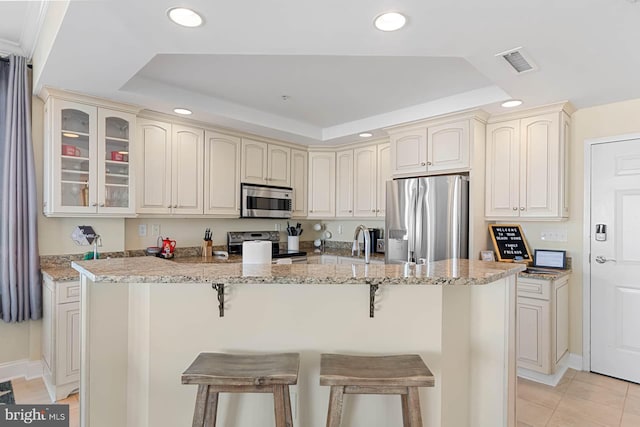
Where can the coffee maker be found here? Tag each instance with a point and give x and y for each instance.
(374, 234)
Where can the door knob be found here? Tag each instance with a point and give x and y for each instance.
(515, 209)
(521, 209)
(423, 164)
(601, 260)
(429, 163)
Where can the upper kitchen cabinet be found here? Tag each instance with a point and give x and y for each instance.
(299, 182)
(87, 159)
(264, 163)
(362, 174)
(322, 184)
(344, 183)
(170, 168)
(526, 164)
(222, 174)
(435, 146)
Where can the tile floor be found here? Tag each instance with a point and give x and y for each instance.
(581, 399)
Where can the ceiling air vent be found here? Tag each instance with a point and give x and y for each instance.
(518, 60)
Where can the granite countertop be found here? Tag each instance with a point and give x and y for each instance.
(60, 273)
(551, 275)
(155, 270)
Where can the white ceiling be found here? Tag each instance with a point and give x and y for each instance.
(343, 76)
(19, 25)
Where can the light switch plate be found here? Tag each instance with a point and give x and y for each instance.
(142, 230)
(155, 229)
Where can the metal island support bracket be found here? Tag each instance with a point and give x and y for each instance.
(219, 287)
(372, 298)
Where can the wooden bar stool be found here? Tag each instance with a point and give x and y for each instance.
(241, 373)
(401, 374)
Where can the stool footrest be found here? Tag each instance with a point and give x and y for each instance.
(356, 389)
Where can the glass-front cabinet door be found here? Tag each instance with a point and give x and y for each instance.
(87, 160)
(73, 148)
(114, 157)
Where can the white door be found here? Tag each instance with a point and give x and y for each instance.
(153, 167)
(384, 174)
(409, 152)
(299, 182)
(615, 262)
(503, 170)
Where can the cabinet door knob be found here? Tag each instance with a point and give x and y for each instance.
(175, 206)
(521, 208)
(377, 210)
(350, 211)
(94, 204)
(423, 164)
(515, 209)
(429, 163)
(101, 205)
(311, 211)
(373, 210)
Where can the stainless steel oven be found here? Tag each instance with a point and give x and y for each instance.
(265, 201)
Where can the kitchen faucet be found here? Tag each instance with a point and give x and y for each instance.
(367, 242)
(95, 245)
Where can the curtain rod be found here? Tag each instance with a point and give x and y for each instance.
(6, 59)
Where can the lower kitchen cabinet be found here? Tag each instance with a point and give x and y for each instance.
(61, 338)
(542, 323)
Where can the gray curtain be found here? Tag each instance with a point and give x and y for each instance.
(20, 282)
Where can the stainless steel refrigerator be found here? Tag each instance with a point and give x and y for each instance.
(427, 218)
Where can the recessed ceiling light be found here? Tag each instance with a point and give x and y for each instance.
(512, 103)
(185, 17)
(70, 135)
(365, 135)
(182, 111)
(390, 21)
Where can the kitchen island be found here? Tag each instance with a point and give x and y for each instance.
(144, 320)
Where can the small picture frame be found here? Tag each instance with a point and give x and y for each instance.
(487, 256)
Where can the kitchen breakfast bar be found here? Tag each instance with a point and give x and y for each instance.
(144, 320)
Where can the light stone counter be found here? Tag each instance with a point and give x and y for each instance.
(155, 270)
(144, 320)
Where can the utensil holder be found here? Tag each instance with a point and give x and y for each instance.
(207, 248)
(293, 243)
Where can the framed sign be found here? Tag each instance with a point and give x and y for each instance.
(509, 243)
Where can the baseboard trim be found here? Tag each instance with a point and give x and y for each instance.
(576, 362)
(29, 369)
(573, 361)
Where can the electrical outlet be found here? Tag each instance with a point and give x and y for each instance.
(142, 230)
(339, 229)
(155, 229)
(277, 226)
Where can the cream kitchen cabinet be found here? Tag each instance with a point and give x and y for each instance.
(542, 323)
(61, 337)
(431, 148)
(171, 168)
(344, 183)
(362, 174)
(88, 151)
(264, 163)
(322, 184)
(299, 179)
(383, 175)
(221, 174)
(526, 166)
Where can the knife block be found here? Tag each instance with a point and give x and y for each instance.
(207, 248)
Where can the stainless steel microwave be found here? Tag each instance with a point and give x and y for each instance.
(265, 201)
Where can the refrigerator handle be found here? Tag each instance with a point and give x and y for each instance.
(413, 229)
